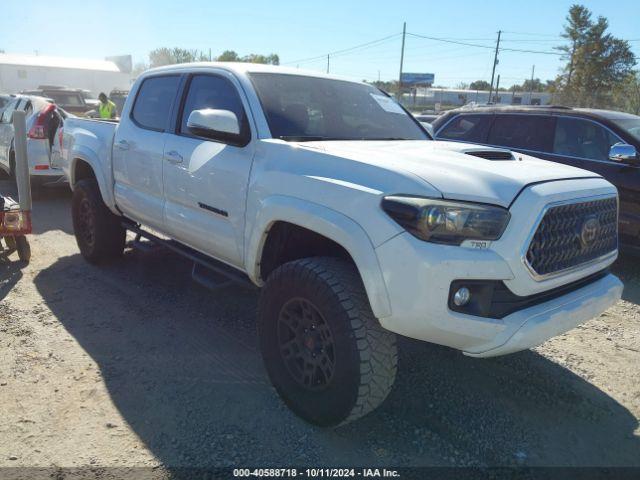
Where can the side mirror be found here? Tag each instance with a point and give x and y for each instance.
(622, 152)
(210, 122)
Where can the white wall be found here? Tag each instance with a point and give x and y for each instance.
(15, 78)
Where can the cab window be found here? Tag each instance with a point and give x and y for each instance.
(467, 128)
(153, 102)
(576, 137)
(213, 91)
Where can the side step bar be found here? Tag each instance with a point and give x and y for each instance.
(208, 272)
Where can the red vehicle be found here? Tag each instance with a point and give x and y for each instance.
(15, 224)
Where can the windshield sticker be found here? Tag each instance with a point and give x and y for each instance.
(387, 104)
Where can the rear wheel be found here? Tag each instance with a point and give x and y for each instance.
(325, 352)
(99, 233)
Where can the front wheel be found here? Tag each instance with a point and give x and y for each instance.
(325, 352)
(99, 233)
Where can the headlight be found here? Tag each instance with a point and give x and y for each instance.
(443, 221)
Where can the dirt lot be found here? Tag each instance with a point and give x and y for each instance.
(133, 364)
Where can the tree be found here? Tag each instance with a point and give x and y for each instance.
(529, 86)
(627, 94)
(479, 85)
(170, 56)
(597, 62)
(231, 56)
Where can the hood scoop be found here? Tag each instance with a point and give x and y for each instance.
(491, 154)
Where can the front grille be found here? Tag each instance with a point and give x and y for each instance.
(573, 234)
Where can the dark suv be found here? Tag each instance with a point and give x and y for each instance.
(602, 141)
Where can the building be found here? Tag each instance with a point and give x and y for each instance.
(27, 72)
(432, 97)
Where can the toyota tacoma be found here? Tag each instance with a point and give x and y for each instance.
(355, 224)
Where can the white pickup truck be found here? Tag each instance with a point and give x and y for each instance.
(355, 223)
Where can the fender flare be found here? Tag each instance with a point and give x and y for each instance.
(85, 154)
(329, 223)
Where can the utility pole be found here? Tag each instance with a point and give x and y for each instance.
(327, 63)
(533, 69)
(495, 62)
(404, 34)
(497, 85)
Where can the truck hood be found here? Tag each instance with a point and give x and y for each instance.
(454, 168)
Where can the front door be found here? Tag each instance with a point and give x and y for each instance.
(205, 180)
(138, 151)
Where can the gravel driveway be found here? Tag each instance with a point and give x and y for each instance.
(133, 364)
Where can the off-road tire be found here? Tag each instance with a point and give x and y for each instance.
(23, 248)
(365, 354)
(99, 233)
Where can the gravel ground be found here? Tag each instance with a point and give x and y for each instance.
(133, 364)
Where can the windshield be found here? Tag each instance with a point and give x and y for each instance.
(301, 108)
(631, 125)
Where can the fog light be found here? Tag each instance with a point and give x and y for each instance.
(462, 297)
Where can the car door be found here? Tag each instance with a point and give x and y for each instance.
(588, 142)
(6, 132)
(526, 133)
(205, 179)
(138, 151)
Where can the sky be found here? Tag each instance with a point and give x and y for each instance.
(302, 32)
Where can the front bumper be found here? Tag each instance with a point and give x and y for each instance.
(535, 325)
(418, 277)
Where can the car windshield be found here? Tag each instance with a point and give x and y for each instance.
(631, 125)
(303, 108)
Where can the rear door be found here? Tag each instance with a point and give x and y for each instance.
(138, 151)
(205, 179)
(526, 133)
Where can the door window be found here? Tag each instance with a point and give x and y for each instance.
(468, 128)
(527, 132)
(212, 91)
(153, 102)
(576, 137)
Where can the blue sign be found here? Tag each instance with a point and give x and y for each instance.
(417, 78)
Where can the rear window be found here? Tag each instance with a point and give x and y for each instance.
(467, 128)
(527, 132)
(153, 102)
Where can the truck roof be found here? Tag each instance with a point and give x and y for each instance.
(243, 68)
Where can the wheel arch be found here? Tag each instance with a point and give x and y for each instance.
(334, 226)
(81, 165)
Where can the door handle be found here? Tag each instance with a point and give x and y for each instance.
(173, 156)
(123, 145)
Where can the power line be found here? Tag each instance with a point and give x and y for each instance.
(346, 50)
(490, 47)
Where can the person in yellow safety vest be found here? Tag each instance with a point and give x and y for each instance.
(107, 109)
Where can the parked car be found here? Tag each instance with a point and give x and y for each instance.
(4, 100)
(357, 226)
(426, 117)
(70, 99)
(601, 141)
(43, 121)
